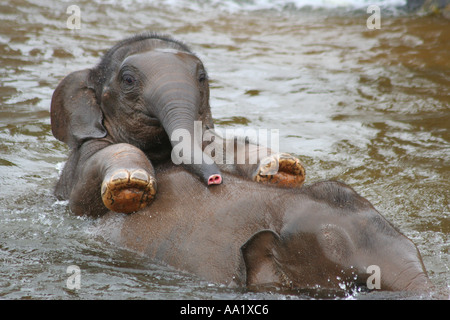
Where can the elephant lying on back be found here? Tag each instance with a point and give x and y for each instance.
(244, 234)
(117, 119)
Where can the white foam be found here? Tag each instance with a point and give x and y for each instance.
(251, 5)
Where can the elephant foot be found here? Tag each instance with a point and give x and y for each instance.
(282, 170)
(128, 191)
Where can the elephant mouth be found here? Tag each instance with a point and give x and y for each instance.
(152, 121)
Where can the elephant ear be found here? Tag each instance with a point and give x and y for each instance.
(260, 253)
(336, 244)
(75, 113)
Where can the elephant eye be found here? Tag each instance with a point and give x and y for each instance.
(202, 77)
(128, 79)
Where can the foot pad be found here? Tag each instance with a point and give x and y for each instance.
(282, 170)
(128, 191)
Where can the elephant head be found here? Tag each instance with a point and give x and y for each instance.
(143, 90)
(330, 237)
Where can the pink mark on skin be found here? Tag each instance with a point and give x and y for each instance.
(215, 179)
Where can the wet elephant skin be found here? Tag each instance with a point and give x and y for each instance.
(244, 234)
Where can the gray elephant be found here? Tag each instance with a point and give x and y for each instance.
(117, 119)
(243, 234)
(122, 114)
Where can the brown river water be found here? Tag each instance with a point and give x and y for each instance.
(370, 107)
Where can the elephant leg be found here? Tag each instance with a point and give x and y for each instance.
(255, 162)
(280, 169)
(119, 178)
(264, 166)
(127, 190)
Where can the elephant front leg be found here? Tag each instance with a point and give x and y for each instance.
(119, 178)
(127, 191)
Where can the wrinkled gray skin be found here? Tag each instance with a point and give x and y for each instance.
(238, 233)
(245, 234)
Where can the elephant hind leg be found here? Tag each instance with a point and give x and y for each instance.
(128, 191)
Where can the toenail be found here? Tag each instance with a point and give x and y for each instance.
(140, 175)
(119, 176)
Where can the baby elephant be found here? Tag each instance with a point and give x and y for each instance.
(118, 119)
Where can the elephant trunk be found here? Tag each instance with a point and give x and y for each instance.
(420, 283)
(411, 278)
(405, 271)
(185, 134)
